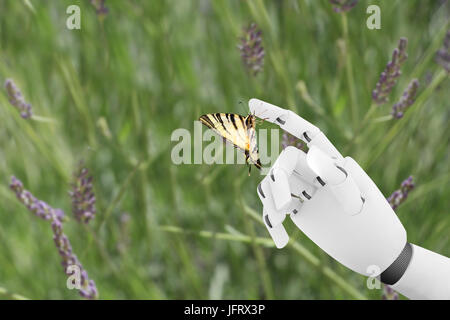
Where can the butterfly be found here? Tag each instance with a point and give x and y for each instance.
(238, 130)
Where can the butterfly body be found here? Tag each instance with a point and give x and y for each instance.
(237, 130)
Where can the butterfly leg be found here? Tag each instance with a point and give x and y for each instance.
(247, 162)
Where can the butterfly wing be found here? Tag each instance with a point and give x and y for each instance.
(237, 130)
(229, 126)
(253, 153)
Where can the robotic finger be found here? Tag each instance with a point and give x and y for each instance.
(294, 124)
(273, 219)
(277, 232)
(279, 177)
(272, 216)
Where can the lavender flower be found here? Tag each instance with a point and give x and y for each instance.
(289, 140)
(82, 194)
(389, 293)
(17, 100)
(400, 195)
(252, 51)
(443, 54)
(388, 77)
(407, 99)
(37, 207)
(88, 289)
(100, 8)
(343, 5)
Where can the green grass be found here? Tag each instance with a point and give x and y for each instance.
(113, 92)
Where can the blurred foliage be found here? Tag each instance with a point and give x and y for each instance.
(113, 92)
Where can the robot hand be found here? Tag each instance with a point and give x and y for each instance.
(335, 203)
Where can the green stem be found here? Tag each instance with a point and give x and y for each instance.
(115, 201)
(349, 73)
(76, 90)
(29, 6)
(259, 254)
(10, 295)
(102, 250)
(218, 235)
(383, 118)
(318, 109)
(369, 113)
(43, 119)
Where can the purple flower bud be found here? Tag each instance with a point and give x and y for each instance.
(100, 8)
(443, 54)
(252, 51)
(388, 77)
(41, 209)
(343, 5)
(400, 195)
(389, 293)
(82, 194)
(36, 206)
(17, 100)
(407, 99)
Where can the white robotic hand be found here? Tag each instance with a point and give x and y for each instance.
(335, 203)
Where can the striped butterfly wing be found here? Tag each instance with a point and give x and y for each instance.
(236, 129)
(230, 126)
